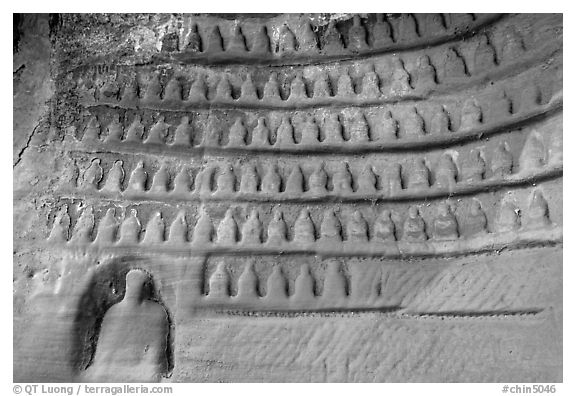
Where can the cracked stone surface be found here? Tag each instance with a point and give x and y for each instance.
(288, 197)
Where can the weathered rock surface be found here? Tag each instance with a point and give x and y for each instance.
(319, 197)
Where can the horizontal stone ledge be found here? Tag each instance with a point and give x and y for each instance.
(316, 55)
(404, 144)
(395, 91)
(481, 244)
(462, 188)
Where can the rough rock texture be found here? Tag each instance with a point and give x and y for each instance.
(276, 197)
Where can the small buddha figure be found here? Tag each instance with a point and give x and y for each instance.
(248, 90)
(307, 39)
(285, 133)
(219, 283)
(227, 231)
(133, 336)
(287, 40)
(277, 229)
(238, 41)
(367, 180)
(261, 43)
(345, 85)
(357, 34)
(226, 180)
(318, 180)
(223, 90)
(471, 115)
(153, 90)
(271, 182)
(310, 132)
(194, 40)
(321, 87)
(61, 226)
(474, 167)
(330, 228)
(513, 45)
(214, 41)
(533, 155)
(502, 161)
(445, 224)
(538, 213)
(182, 181)
(107, 228)
(298, 88)
(93, 175)
(173, 91)
(400, 80)
(342, 180)
(204, 180)
(92, 130)
(138, 178)
(252, 229)
(420, 175)
(382, 32)
(441, 123)
(304, 230)
(130, 228)
(84, 226)
(276, 286)
(70, 176)
(295, 181)
(414, 226)
(384, 228)
(130, 93)
(260, 134)
(161, 180)
(446, 172)
(387, 129)
(426, 73)
(414, 125)
(453, 66)
(476, 219)
(357, 228)
(250, 180)
(248, 283)
(335, 284)
(508, 217)
(115, 178)
(333, 129)
(484, 56)
(272, 89)
(238, 132)
(158, 132)
(304, 285)
(198, 90)
(370, 85)
(332, 39)
(204, 229)
(178, 234)
(134, 133)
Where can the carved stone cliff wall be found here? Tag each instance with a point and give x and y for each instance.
(282, 197)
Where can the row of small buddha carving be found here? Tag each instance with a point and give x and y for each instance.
(363, 35)
(335, 284)
(339, 179)
(373, 86)
(333, 129)
(332, 228)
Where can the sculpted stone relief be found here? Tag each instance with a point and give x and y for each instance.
(310, 197)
